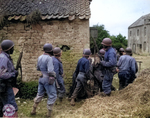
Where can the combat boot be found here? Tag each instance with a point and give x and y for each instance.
(49, 113)
(60, 100)
(33, 112)
(72, 103)
(101, 94)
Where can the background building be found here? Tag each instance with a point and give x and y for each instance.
(139, 35)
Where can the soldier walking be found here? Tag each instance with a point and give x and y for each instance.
(7, 76)
(109, 64)
(46, 81)
(58, 68)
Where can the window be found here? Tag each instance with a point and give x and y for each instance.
(130, 33)
(138, 32)
(144, 31)
(144, 46)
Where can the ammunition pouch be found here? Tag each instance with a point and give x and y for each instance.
(50, 76)
(3, 85)
(51, 80)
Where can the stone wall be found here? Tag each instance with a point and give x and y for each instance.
(74, 34)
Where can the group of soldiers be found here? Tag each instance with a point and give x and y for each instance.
(96, 78)
(89, 78)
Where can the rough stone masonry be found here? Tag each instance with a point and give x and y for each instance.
(73, 34)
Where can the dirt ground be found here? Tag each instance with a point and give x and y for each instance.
(133, 101)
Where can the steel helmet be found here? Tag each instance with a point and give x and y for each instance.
(87, 52)
(128, 50)
(56, 51)
(6, 45)
(47, 47)
(107, 42)
(121, 50)
(102, 51)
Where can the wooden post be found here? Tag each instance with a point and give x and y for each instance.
(139, 65)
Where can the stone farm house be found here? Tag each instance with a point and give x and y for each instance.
(33, 23)
(139, 35)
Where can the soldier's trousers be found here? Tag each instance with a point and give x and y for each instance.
(61, 91)
(107, 81)
(81, 84)
(43, 87)
(8, 97)
(124, 78)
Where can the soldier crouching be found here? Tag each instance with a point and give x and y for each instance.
(83, 74)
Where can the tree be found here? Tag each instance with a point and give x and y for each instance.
(118, 41)
(102, 33)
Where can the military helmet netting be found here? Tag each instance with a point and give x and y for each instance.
(128, 50)
(107, 42)
(121, 50)
(47, 47)
(56, 51)
(102, 51)
(6, 45)
(87, 52)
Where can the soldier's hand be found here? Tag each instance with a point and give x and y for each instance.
(16, 73)
(63, 75)
(117, 70)
(88, 82)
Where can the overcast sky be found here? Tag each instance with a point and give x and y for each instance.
(118, 15)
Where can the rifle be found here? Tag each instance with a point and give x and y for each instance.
(19, 62)
(96, 49)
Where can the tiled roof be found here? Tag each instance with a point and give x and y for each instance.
(49, 9)
(140, 21)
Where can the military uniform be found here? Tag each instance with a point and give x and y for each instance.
(127, 70)
(109, 64)
(82, 71)
(45, 65)
(8, 73)
(58, 68)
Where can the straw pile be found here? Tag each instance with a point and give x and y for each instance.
(133, 101)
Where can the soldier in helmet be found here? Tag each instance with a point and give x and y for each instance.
(102, 53)
(121, 52)
(58, 68)
(83, 74)
(7, 75)
(109, 64)
(127, 68)
(46, 81)
(97, 71)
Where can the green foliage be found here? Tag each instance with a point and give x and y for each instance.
(27, 90)
(118, 41)
(102, 33)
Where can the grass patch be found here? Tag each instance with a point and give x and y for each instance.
(131, 102)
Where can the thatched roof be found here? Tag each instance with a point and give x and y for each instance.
(48, 9)
(141, 21)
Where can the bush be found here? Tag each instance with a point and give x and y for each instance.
(27, 90)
